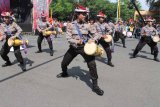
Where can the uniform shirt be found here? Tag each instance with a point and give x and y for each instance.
(43, 25)
(72, 33)
(147, 31)
(92, 27)
(103, 28)
(119, 28)
(12, 29)
(111, 25)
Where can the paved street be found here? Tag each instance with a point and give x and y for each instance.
(131, 83)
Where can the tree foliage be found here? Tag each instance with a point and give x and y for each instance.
(62, 9)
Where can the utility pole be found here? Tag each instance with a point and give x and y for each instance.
(118, 10)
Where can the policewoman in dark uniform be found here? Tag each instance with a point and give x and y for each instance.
(77, 47)
(119, 28)
(103, 29)
(44, 25)
(146, 38)
(11, 31)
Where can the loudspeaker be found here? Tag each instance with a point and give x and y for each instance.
(22, 10)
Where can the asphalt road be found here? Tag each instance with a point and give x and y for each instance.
(131, 83)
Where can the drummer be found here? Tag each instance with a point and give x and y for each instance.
(119, 32)
(11, 31)
(146, 38)
(77, 36)
(44, 25)
(104, 29)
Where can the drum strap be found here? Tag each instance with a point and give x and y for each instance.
(80, 34)
(101, 30)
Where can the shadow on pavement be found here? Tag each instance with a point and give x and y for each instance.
(83, 75)
(143, 52)
(36, 66)
(142, 56)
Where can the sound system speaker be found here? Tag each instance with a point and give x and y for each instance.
(22, 10)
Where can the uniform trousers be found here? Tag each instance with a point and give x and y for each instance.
(6, 49)
(40, 39)
(146, 40)
(106, 47)
(121, 36)
(72, 53)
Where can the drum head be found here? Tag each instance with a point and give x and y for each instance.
(156, 39)
(90, 48)
(108, 39)
(124, 33)
(10, 42)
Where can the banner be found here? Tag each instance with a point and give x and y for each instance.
(4, 5)
(40, 6)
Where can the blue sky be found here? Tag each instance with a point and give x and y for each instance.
(143, 3)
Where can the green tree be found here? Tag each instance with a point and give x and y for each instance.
(64, 8)
(61, 9)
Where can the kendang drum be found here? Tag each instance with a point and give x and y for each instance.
(156, 38)
(93, 49)
(48, 33)
(108, 38)
(124, 33)
(16, 42)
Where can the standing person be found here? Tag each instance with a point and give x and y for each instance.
(104, 29)
(44, 25)
(65, 26)
(146, 38)
(132, 28)
(119, 32)
(56, 25)
(77, 35)
(10, 31)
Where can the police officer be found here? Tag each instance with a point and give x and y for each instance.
(103, 29)
(119, 27)
(44, 25)
(77, 35)
(146, 38)
(12, 31)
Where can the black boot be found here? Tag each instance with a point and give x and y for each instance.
(110, 64)
(124, 46)
(8, 63)
(156, 59)
(133, 56)
(51, 52)
(39, 51)
(96, 88)
(23, 67)
(63, 75)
